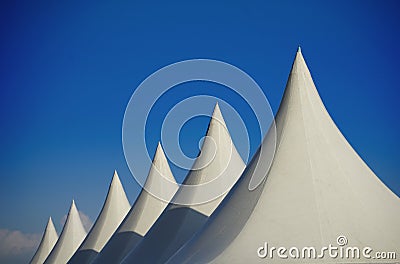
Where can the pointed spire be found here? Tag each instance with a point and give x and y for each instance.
(50, 227)
(47, 243)
(143, 214)
(299, 64)
(160, 169)
(148, 207)
(159, 156)
(160, 162)
(73, 215)
(71, 237)
(116, 182)
(217, 110)
(219, 162)
(217, 116)
(115, 208)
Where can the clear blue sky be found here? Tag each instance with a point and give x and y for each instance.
(68, 70)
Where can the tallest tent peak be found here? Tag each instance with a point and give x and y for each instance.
(317, 192)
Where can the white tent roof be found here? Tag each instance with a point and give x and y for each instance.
(317, 189)
(218, 161)
(71, 237)
(148, 208)
(115, 208)
(142, 215)
(47, 243)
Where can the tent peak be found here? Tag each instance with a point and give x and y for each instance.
(300, 66)
(115, 177)
(217, 116)
(47, 243)
(50, 223)
(73, 207)
(159, 147)
(216, 108)
(115, 207)
(160, 162)
(159, 152)
(72, 235)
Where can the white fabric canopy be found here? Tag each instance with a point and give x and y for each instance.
(115, 208)
(218, 161)
(71, 237)
(142, 215)
(317, 190)
(47, 243)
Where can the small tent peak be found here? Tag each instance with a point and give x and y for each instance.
(159, 152)
(50, 222)
(73, 211)
(115, 187)
(73, 207)
(216, 109)
(160, 162)
(299, 54)
(217, 115)
(299, 64)
(299, 49)
(47, 243)
(71, 237)
(115, 207)
(159, 147)
(160, 155)
(115, 177)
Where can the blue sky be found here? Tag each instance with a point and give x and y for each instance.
(68, 71)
